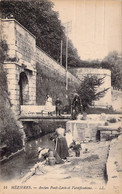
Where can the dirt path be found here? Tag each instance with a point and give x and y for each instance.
(86, 170)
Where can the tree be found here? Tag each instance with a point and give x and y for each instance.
(114, 62)
(41, 20)
(88, 91)
(10, 134)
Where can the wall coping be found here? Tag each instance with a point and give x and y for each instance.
(14, 20)
(49, 56)
(56, 62)
(18, 64)
(107, 71)
(7, 20)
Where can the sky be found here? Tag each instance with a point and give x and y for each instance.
(96, 25)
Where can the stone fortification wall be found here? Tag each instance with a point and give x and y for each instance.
(51, 79)
(20, 61)
(50, 64)
(13, 76)
(22, 58)
(21, 43)
(82, 72)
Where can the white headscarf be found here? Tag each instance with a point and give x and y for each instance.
(60, 131)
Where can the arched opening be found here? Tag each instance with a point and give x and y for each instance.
(24, 89)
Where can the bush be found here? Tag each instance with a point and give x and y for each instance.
(10, 135)
(35, 130)
(9, 132)
(88, 91)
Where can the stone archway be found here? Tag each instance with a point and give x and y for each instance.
(23, 89)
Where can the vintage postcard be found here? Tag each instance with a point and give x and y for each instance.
(61, 96)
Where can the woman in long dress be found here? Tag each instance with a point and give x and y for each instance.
(61, 143)
(49, 106)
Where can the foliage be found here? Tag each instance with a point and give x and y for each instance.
(3, 79)
(3, 50)
(9, 131)
(45, 126)
(114, 62)
(88, 64)
(42, 21)
(88, 91)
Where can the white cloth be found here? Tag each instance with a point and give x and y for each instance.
(60, 131)
(75, 132)
(48, 105)
(42, 151)
(69, 138)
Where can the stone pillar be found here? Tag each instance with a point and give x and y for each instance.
(13, 87)
(32, 88)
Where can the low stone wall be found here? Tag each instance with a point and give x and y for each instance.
(83, 130)
(87, 130)
(34, 110)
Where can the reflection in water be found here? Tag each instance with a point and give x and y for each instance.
(21, 164)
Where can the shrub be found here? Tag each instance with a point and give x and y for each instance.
(10, 134)
(88, 91)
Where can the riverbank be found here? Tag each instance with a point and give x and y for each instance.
(97, 170)
(86, 170)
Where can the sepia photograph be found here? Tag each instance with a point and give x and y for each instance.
(61, 96)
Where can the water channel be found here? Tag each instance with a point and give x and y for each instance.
(20, 164)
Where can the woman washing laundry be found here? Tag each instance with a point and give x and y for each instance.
(49, 155)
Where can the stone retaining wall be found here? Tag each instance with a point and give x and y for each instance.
(23, 55)
(114, 166)
(49, 63)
